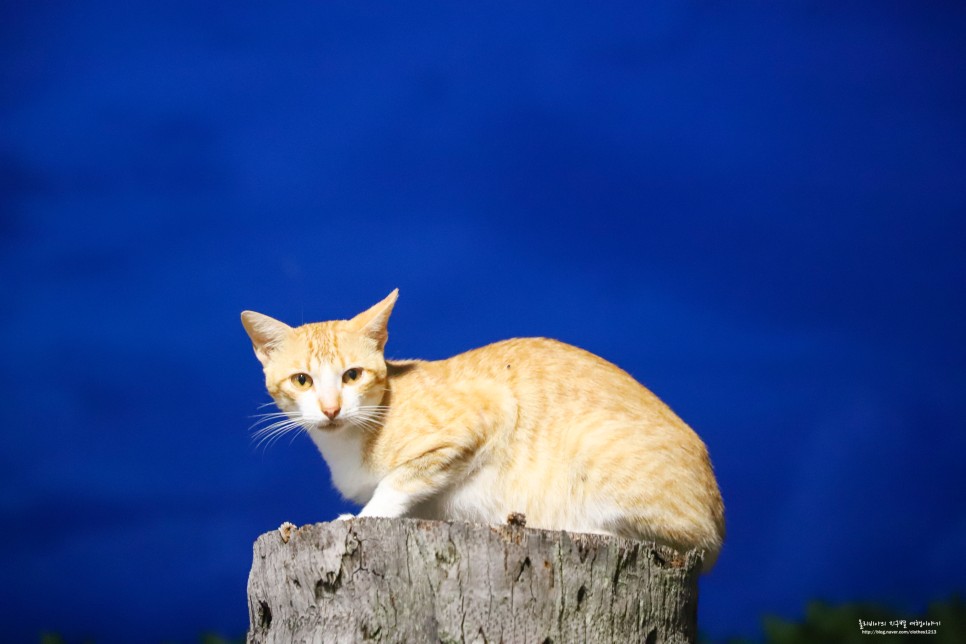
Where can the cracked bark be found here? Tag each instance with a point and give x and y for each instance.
(406, 580)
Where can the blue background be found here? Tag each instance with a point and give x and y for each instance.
(756, 208)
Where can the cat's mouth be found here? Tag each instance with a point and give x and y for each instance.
(330, 425)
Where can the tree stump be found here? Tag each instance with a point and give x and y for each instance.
(413, 581)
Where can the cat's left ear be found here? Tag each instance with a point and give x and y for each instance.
(374, 321)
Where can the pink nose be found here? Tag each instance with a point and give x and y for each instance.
(332, 413)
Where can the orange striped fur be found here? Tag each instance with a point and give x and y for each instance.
(527, 425)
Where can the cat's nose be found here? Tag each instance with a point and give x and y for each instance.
(331, 412)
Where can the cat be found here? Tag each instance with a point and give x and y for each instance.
(528, 425)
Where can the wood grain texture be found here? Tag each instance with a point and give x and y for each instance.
(407, 580)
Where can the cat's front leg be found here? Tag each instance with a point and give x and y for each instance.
(420, 478)
(427, 462)
(389, 500)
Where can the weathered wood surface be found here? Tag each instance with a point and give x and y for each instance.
(413, 581)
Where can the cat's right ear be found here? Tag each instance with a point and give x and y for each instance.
(266, 333)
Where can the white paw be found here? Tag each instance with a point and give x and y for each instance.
(345, 517)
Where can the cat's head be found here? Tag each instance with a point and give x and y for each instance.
(325, 375)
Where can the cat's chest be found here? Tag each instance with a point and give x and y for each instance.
(342, 452)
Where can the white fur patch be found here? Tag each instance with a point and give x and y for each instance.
(342, 450)
(387, 501)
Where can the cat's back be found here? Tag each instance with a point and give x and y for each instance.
(528, 357)
(553, 378)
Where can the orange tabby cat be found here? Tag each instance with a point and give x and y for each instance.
(527, 425)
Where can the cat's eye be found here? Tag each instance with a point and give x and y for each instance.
(351, 375)
(302, 381)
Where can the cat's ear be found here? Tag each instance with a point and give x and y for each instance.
(374, 321)
(266, 333)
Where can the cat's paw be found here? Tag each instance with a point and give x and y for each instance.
(345, 517)
(285, 530)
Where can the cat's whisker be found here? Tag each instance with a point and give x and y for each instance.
(369, 419)
(374, 409)
(270, 433)
(274, 439)
(285, 419)
(368, 413)
(381, 409)
(270, 414)
(270, 419)
(270, 439)
(296, 434)
(377, 418)
(366, 425)
(282, 424)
